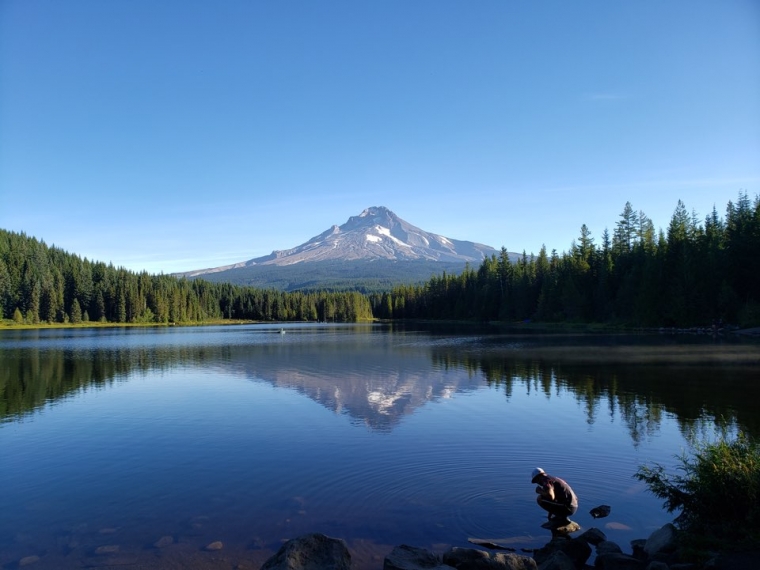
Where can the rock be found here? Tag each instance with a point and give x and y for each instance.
(637, 547)
(491, 545)
(661, 541)
(27, 560)
(618, 561)
(576, 548)
(514, 561)
(196, 524)
(216, 545)
(407, 557)
(462, 558)
(735, 560)
(657, 565)
(110, 561)
(593, 536)
(107, 549)
(163, 542)
(311, 552)
(472, 559)
(558, 561)
(563, 527)
(608, 547)
(600, 512)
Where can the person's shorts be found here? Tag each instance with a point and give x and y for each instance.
(558, 508)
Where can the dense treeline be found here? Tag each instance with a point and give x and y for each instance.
(46, 284)
(693, 274)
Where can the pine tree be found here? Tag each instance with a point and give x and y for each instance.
(75, 312)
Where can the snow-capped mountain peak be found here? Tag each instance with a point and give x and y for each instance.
(376, 233)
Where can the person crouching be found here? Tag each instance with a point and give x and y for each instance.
(554, 496)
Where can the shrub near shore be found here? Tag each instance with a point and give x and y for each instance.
(717, 494)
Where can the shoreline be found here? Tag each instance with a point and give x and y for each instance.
(532, 327)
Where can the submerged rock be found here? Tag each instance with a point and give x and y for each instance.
(216, 545)
(163, 542)
(490, 544)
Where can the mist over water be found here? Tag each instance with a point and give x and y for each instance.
(380, 435)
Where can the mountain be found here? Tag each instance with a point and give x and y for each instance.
(376, 233)
(375, 247)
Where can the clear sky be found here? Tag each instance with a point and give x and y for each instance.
(179, 135)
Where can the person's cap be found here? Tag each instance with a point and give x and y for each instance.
(536, 472)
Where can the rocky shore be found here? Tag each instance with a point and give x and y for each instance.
(659, 551)
(589, 550)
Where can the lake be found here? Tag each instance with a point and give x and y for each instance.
(113, 439)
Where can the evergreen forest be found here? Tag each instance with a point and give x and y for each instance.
(41, 284)
(694, 273)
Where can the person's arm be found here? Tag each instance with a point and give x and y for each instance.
(546, 491)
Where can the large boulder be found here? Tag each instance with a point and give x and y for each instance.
(472, 559)
(406, 557)
(661, 542)
(607, 547)
(637, 548)
(558, 560)
(618, 561)
(576, 548)
(593, 536)
(311, 552)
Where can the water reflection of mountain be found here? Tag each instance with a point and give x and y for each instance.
(373, 384)
(377, 383)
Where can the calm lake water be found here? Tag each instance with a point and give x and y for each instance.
(381, 435)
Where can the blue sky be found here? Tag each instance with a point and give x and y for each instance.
(178, 135)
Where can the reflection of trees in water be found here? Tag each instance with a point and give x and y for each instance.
(361, 381)
(29, 378)
(699, 397)
(367, 382)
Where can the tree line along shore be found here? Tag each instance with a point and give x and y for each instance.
(694, 273)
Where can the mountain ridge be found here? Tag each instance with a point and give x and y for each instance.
(375, 234)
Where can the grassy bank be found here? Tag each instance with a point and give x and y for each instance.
(10, 324)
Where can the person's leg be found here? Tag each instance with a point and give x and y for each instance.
(563, 515)
(556, 510)
(542, 503)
